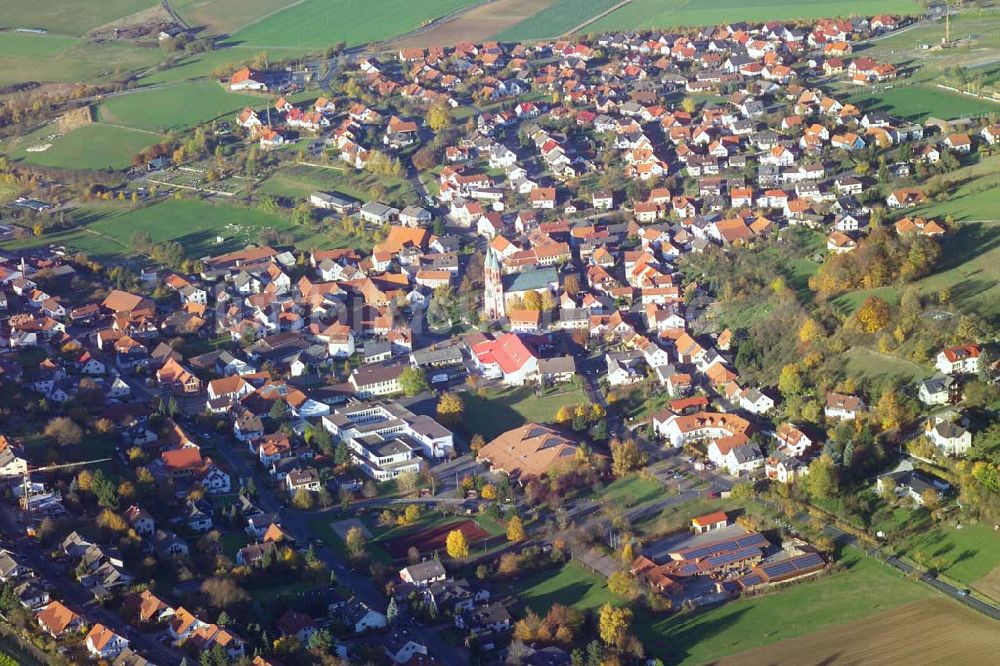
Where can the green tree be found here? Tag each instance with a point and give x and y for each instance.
(413, 381)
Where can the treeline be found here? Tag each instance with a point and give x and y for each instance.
(880, 260)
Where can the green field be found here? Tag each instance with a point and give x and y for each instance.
(966, 555)
(631, 490)
(920, 101)
(69, 17)
(647, 14)
(224, 16)
(574, 585)
(174, 107)
(509, 408)
(96, 146)
(104, 229)
(34, 46)
(864, 363)
(867, 587)
(70, 60)
(974, 198)
(559, 17)
(970, 268)
(320, 23)
(301, 180)
(194, 224)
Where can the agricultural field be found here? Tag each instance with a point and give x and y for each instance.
(933, 631)
(478, 24)
(646, 14)
(319, 23)
(864, 589)
(574, 585)
(68, 17)
(559, 17)
(96, 146)
(174, 107)
(509, 408)
(33, 45)
(222, 17)
(47, 58)
(972, 193)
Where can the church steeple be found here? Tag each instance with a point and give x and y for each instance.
(493, 298)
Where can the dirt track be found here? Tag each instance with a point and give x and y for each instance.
(935, 631)
(476, 25)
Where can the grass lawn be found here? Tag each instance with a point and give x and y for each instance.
(95, 146)
(559, 17)
(867, 587)
(267, 595)
(965, 554)
(176, 107)
(509, 408)
(643, 14)
(631, 490)
(319, 23)
(232, 542)
(970, 268)
(865, 363)
(678, 516)
(301, 180)
(70, 17)
(574, 585)
(852, 300)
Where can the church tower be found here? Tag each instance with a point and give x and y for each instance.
(493, 298)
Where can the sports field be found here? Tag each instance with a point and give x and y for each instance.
(319, 23)
(192, 223)
(647, 14)
(933, 631)
(920, 101)
(301, 180)
(556, 19)
(96, 146)
(866, 588)
(68, 17)
(175, 107)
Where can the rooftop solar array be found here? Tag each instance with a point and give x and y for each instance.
(750, 539)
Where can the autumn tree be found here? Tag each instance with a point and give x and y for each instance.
(572, 284)
(411, 514)
(623, 584)
(613, 625)
(889, 411)
(355, 541)
(872, 316)
(811, 332)
(450, 408)
(564, 415)
(533, 301)
(456, 544)
(821, 482)
(64, 431)
(223, 592)
(790, 380)
(625, 456)
(477, 442)
(515, 529)
(302, 499)
(439, 116)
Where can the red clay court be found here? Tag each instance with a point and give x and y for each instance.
(434, 538)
